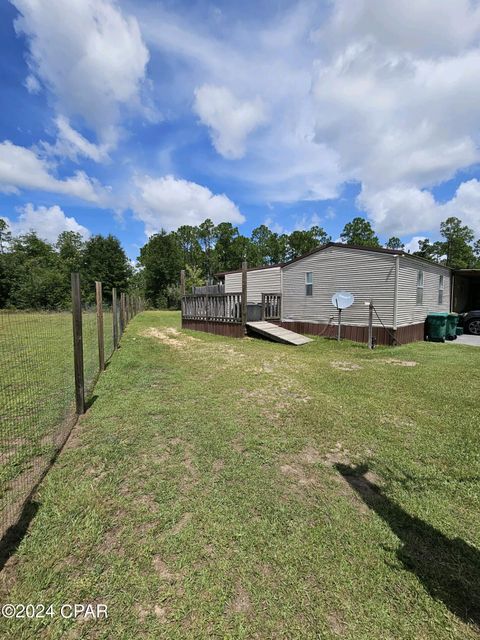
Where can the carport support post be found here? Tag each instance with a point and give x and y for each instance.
(370, 325)
(244, 294)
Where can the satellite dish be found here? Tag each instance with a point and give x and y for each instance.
(342, 300)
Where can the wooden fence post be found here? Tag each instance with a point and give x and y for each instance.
(101, 339)
(78, 344)
(244, 294)
(122, 313)
(115, 318)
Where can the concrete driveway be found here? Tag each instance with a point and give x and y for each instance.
(472, 341)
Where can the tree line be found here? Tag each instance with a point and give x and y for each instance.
(207, 249)
(36, 274)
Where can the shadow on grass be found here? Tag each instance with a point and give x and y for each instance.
(449, 569)
(15, 534)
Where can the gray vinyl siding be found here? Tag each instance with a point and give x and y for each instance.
(409, 312)
(365, 274)
(258, 282)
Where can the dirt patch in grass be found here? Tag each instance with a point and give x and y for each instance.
(163, 571)
(181, 524)
(336, 624)
(396, 421)
(160, 612)
(399, 363)
(237, 444)
(171, 337)
(241, 601)
(296, 473)
(341, 365)
(111, 543)
(149, 502)
(218, 465)
(309, 455)
(337, 455)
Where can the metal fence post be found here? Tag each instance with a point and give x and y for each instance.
(78, 344)
(370, 325)
(115, 318)
(101, 339)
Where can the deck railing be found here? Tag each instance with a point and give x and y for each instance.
(217, 307)
(271, 306)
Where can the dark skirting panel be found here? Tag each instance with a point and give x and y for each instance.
(389, 337)
(229, 329)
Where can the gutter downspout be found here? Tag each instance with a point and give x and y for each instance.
(395, 292)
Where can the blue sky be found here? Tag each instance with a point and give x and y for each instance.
(129, 117)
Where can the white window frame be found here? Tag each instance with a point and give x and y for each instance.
(309, 284)
(420, 287)
(441, 288)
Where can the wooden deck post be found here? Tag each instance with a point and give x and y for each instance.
(244, 294)
(115, 318)
(101, 342)
(78, 344)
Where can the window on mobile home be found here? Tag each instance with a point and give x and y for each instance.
(420, 287)
(309, 283)
(441, 287)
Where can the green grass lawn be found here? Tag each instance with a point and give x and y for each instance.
(223, 488)
(37, 391)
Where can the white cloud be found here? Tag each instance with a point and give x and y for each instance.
(21, 168)
(393, 118)
(248, 64)
(383, 93)
(88, 54)
(167, 203)
(412, 245)
(396, 89)
(48, 223)
(230, 120)
(403, 210)
(427, 27)
(71, 144)
(32, 84)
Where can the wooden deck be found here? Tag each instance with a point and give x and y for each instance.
(276, 333)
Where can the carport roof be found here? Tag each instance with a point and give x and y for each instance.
(468, 273)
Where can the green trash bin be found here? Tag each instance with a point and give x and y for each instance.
(451, 329)
(436, 327)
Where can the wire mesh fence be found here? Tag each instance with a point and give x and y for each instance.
(38, 390)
